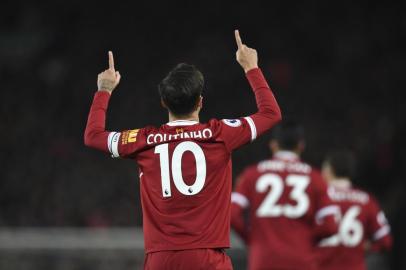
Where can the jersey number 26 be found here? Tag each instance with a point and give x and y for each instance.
(350, 230)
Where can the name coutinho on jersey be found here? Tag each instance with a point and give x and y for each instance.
(163, 137)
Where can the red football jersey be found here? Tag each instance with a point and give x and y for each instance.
(185, 169)
(362, 220)
(288, 212)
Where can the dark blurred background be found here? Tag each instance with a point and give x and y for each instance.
(336, 66)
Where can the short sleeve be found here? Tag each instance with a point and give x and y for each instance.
(125, 144)
(237, 132)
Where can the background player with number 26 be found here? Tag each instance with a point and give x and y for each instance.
(363, 225)
(184, 165)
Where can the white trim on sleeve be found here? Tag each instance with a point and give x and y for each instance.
(252, 126)
(383, 231)
(109, 138)
(239, 199)
(381, 218)
(112, 143)
(326, 211)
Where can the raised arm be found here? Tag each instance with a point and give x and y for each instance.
(239, 132)
(95, 134)
(269, 112)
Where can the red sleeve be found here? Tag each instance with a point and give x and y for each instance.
(327, 214)
(95, 133)
(378, 228)
(240, 201)
(118, 144)
(237, 132)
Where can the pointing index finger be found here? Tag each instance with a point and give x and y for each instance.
(238, 39)
(111, 61)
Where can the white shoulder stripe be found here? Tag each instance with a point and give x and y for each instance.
(326, 211)
(109, 139)
(239, 199)
(112, 143)
(252, 126)
(383, 231)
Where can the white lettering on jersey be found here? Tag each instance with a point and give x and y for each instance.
(160, 138)
(278, 165)
(353, 195)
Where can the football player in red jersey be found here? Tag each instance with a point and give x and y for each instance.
(280, 206)
(363, 225)
(184, 165)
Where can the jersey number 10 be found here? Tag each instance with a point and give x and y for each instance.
(181, 186)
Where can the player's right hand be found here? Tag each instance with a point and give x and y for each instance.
(246, 57)
(108, 79)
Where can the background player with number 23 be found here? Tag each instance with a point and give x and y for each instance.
(184, 165)
(286, 206)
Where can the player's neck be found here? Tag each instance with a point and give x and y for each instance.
(191, 117)
(286, 154)
(342, 182)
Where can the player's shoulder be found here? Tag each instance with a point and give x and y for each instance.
(305, 168)
(151, 128)
(370, 201)
(360, 191)
(219, 123)
(253, 167)
(365, 195)
(316, 175)
(250, 172)
(221, 126)
(141, 131)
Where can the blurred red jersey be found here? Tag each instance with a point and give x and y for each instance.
(185, 169)
(362, 220)
(288, 212)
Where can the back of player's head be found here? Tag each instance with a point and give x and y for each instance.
(181, 89)
(288, 134)
(342, 163)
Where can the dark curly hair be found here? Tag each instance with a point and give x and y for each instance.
(181, 88)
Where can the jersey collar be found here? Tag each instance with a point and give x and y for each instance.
(286, 155)
(341, 183)
(182, 123)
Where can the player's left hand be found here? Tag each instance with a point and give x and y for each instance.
(246, 56)
(110, 78)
